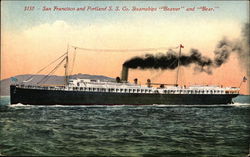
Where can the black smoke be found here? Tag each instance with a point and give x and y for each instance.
(240, 47)
(222, 53)
(244, 54)
(170, 61)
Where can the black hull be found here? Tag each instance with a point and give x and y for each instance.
(60, 97)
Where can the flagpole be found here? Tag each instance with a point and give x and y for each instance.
(178, 66)
(240, 83)
(243, 80)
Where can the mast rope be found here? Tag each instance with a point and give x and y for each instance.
(74, 57)
(30, 78)
(124, 50)
(51, 72)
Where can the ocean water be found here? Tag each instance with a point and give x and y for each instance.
(140, 131)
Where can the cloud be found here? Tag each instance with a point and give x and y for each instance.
(133, 33)
(37, 45)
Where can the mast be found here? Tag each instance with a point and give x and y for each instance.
(66, 66)
(178, 66)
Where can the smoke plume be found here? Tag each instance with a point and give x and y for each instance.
(170, 61)
(244, 54)
(222, 52)
(240, 46)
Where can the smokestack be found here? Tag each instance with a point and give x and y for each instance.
(124, 76)
(149, 82)
(118, 80)
(135, 81)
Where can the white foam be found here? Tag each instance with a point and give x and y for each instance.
(240, 104)
(19, 105)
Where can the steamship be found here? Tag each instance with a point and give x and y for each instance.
(119, 92)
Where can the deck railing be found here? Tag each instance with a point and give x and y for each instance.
(135, 90)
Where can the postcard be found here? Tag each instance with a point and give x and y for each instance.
(130, 54)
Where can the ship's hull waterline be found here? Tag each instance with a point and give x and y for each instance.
(63, 97)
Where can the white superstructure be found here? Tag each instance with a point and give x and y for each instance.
(92, 85)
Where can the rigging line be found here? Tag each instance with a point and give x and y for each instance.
(120, 50)
(52, 72)
(47, 76)
(158, 74)
(173, 62)
(42, 80)
(45, 67)
(73, 62)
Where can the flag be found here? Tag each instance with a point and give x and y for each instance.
(181, 46)
(13, 79)
(244, 79)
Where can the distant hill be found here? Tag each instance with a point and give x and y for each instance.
(55, 80)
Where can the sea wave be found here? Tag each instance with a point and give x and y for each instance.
(122, 130)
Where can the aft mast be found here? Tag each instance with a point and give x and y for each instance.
(178, 66)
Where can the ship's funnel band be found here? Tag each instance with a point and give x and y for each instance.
(124, 76)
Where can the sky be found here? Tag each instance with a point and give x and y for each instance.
(30, 39)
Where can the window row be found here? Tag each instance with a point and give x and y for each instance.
(113, 90)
